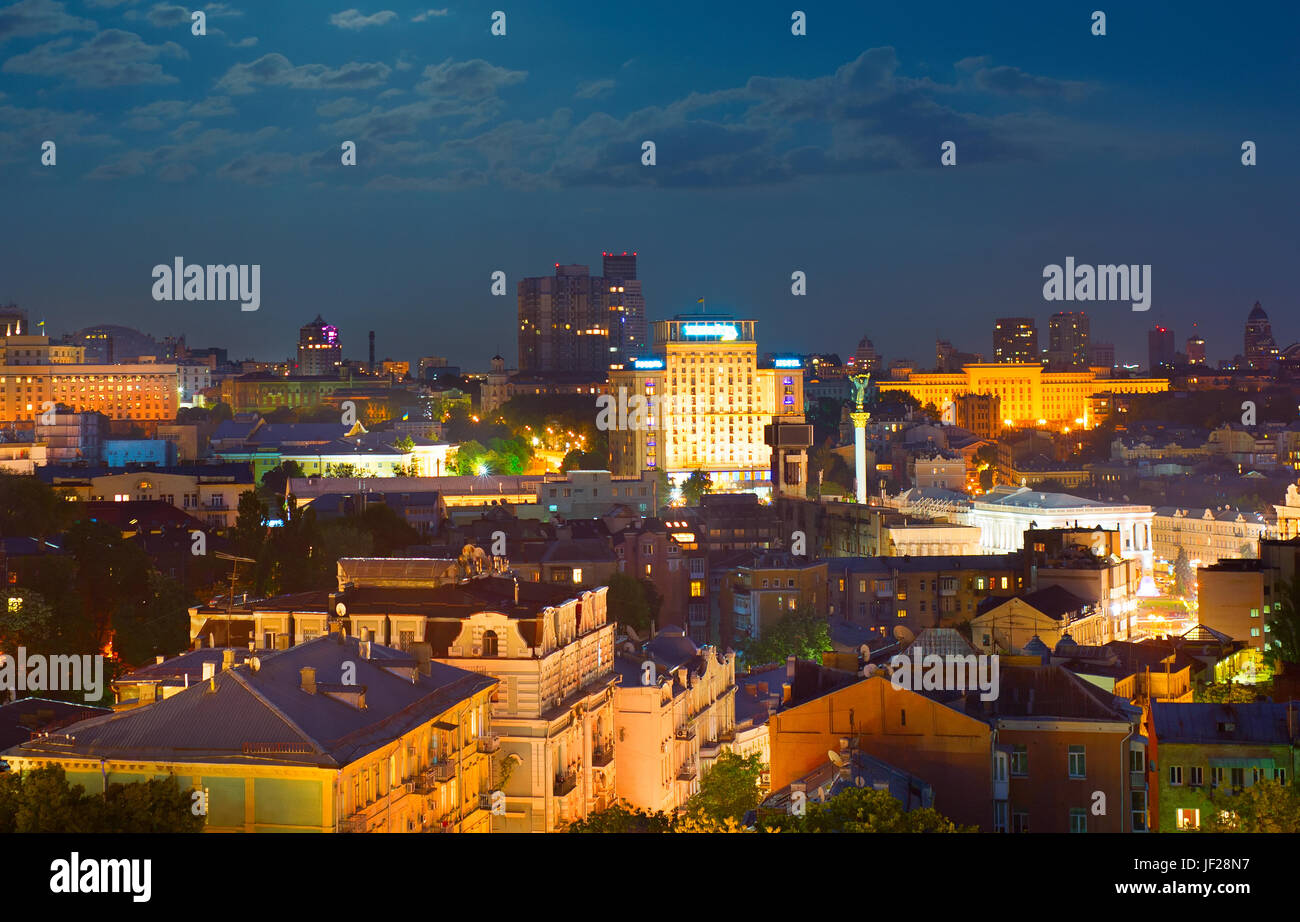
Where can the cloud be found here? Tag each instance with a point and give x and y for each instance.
(275, 70)
(429, 14)
(593, 88)
(345, 105)
(39, 17)
(155, 115)
(467, 80)
(1012, 81)
(166, 16)
(355, 20)
(111, 58)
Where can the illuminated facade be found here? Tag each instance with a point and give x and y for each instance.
(319, 351)
(712, 399)
(1028, 395)
(117, 391)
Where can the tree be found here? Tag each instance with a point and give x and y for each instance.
(405, 444)
(623, 818)
(802, 633)
(250, 525)
(389, 531)
(627, 604)
(157, 622)
(868, 810)
(1227, 693)
(344, 469)
(27, 620)
(276, 479)
(1265, 806)
(41, 800)
(579, 460)
(30, 508)
(1285, 625)
(110, 572)
(653, 597)
(1184, 575)
(695, 487)
(728, 790)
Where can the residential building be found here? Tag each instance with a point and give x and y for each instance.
(334, 735)
(319, 352)
(1203, 755)
(674, 713)
(1206, 535)
(1015, 340)
(1067, 335)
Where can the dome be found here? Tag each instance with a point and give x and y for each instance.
(1037, 648)
(1258, 313)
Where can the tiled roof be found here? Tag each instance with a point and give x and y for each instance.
(268, 713)
(1259, 722)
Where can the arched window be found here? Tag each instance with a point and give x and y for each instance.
(489, 643)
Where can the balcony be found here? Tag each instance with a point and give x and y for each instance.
(355, 823)
(710, 749)
(1137, 781)
(602, 755)
(685, 733)
(434, 775)
(565, 784)
(689, 771)
(488, 742)
(727, 736)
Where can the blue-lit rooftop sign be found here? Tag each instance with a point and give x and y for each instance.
(787, 363)
(647, 363)
(723, 331)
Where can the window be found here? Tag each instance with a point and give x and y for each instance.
(1000, 816)
(697, 588)
(1137, 760)
(1188, 819)
(1078, 819)
(489, 643)
(1020, 821)
(1279, 775)
(1175, 774)
(1216, 775)
(1138, 810)
(1019, 761)
(1238, 777)
(1078, 762)
(1195, 776)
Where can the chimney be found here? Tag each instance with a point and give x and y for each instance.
(227, 659)
(209, 670)
(159, 659)
(762, 689)
(308, 675)
(516, 590)
(790, 666)
(423, 653)
(365, 635)
(363, 648)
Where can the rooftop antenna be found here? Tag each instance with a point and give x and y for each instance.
(230, 601)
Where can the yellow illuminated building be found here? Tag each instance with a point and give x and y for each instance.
(711, 398)
(1029, 395)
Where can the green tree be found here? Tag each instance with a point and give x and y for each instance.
(627, 604)
(623, 818)
(1184, 575)
(869, 810)
(276, 479)
(1226, 693)
(30, 508)
(250, 525)
(389, 531)
(26, 621)
(111, 571)
(41, 800)
(695, 487)
(1284, 646)
(728, 790)
(405, 444)
(1265, 806)
(579, 460)
(802, 633)
(156, 622)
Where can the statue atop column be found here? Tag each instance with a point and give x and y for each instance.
(860, 385)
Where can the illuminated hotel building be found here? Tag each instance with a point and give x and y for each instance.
(1029, 395)
(713, 399)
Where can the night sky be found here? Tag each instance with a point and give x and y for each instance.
(775, 153)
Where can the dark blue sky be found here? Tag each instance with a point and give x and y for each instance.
(775, 153)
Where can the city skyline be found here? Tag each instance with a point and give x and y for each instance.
(776, 153)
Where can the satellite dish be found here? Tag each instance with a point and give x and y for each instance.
(835, 757)
(341, 609)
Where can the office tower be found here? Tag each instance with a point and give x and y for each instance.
(1101, 355)
(1015, 340)
(319, 352)
(626, 305)
(1160, 349)
(1261, 352)
(1067, 340)
(948, 357)
(712, 400)
(1195, 348)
